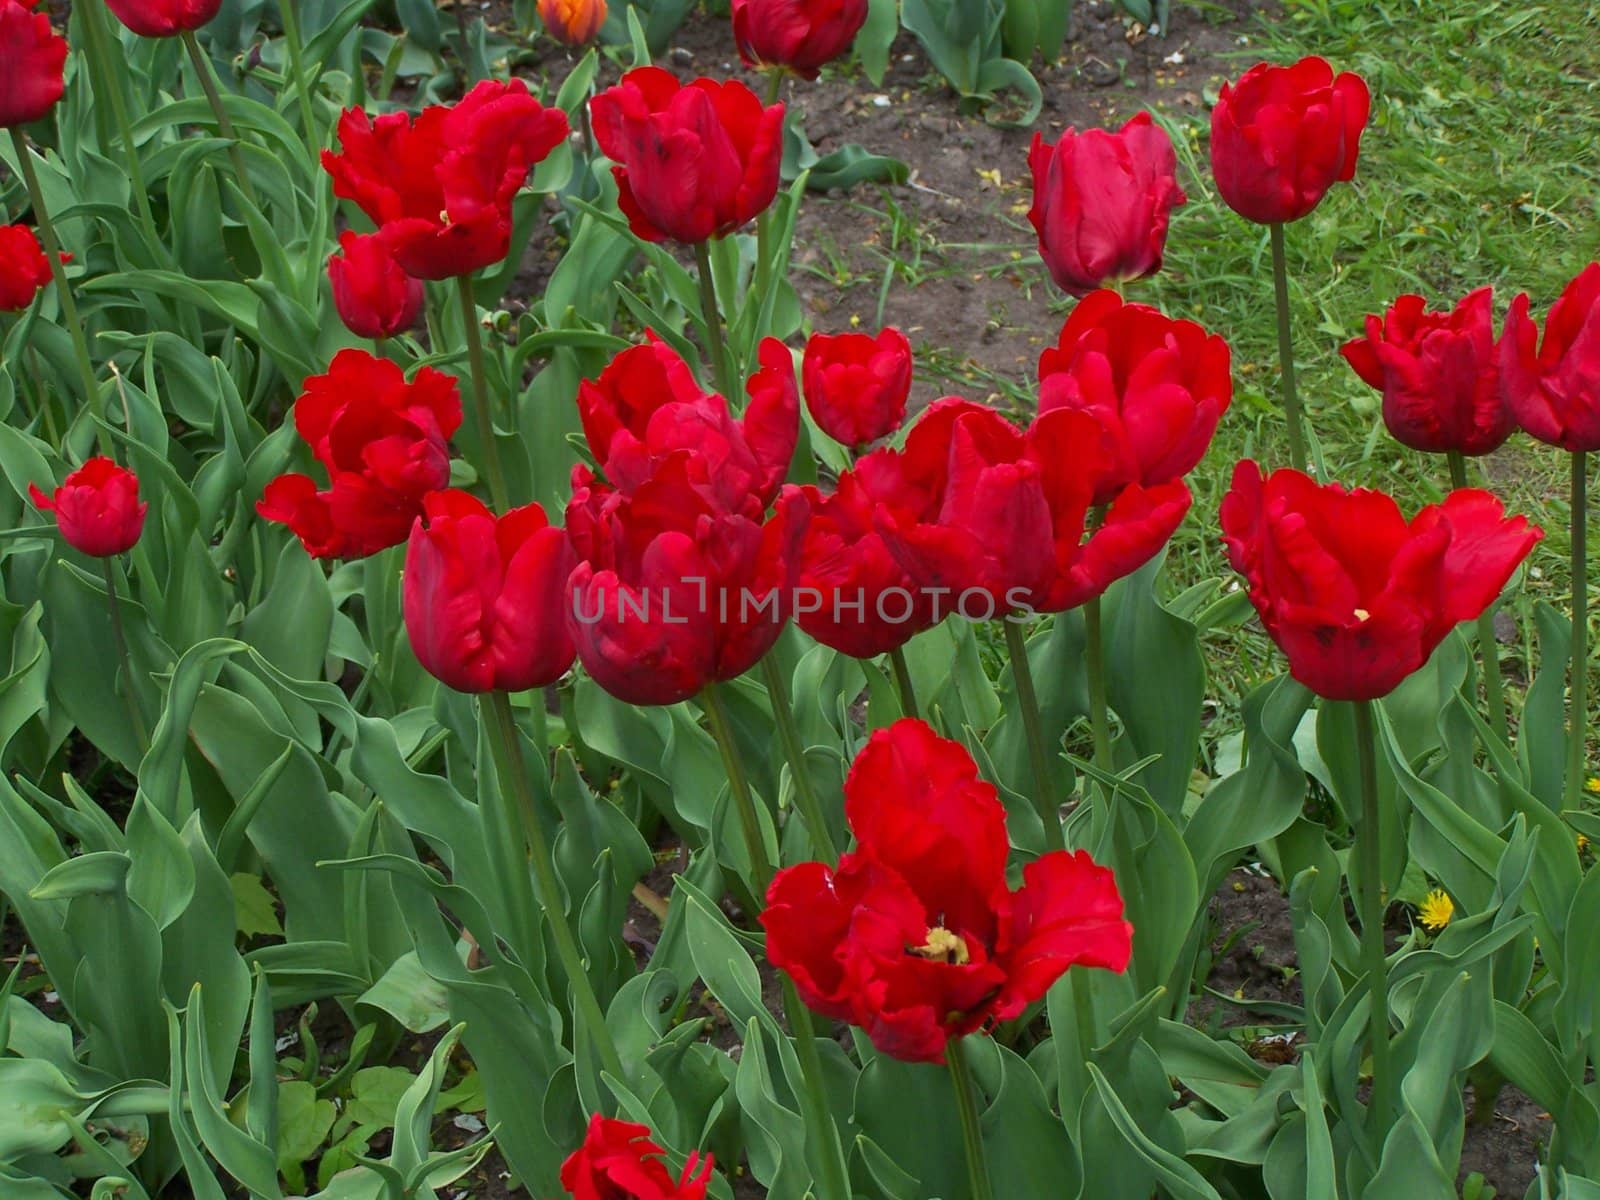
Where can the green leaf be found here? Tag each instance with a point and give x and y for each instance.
(256, 912)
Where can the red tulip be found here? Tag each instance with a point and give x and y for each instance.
(1101, 202)
(1438, 372)
(916, 936)
(485, 596)
(694, 161)
(646, 406)
(573, 22)
(1553, 387)
(24, 269)
(164, 18)
(34, 56)
(1354, 595)
(618, 1161)
(97, 508)
(802, 35)
(439, 188)
(385, 445)
(856, 385)
(373, 296)
(1282, 136)
(1157, 386)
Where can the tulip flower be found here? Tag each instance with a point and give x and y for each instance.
(573, 22)
(1553, 385)
(34, 57)
(1101, 202)
(97, 508)
(694, 161)
(917, 937)
(618, 1161)
(485, 596)
(385, 445)
(164, 18)
(372, 295)
(856, 385)
(801, 35)
(1157, 386)
(1438, 372)
(439, 187)
(24, 268)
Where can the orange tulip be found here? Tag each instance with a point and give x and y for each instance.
(574, 22)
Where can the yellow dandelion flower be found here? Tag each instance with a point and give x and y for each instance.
(1593, 784)
(1583, 843)
(1436, 910)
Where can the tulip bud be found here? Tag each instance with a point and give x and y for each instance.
(97, 508)
(24, 269)
(164, 18)
(372, 295)
(573, 22)
(802, 35)
(34, 56)
(856, 386)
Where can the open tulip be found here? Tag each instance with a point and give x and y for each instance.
(1282, 136)
(694, 161)
(372, 295)
(856, 385)
(1438, 372)
(24, 269)
(802, 35)
(97, 508)
(573, 22)
(1356, 596)
(440, 187)
(34, 56)
(1102, 201)
(1157, 386)
(164, 18)
(618, 1161)
(1553, 385)
(916, 937)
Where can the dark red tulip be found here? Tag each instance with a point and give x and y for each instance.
(34, 56)
(1158, 386)
(24, 269)
(1438, 372)
(439, 187)
(372, 295)
(916, 937)
(1553, 386)
(485, 596)
(164, 18)
(1101, 202)
(857, 385)
(385, 445)
(573, 22)
(1282, 136)
(1356, 596)
(694, 161)
(97, 508)
(802, 35)
(618, 1161)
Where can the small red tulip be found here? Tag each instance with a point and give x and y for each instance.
(372, 295)
(97, 508)
(1282, 136)
(164, 18)
(802, 35)
(618, 1161)
(1356, 596)
(440, 187)
(573, 22)
(1438, 372)
(34, 56)
(1553, 387)
(24, 269)
(856, 385)
(1102, 201)
(916, 937)
(694, 161)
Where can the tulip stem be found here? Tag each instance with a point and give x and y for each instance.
(1578, 719)
(1488, 646)
(1291, 396)
(1033, 728)
(130, 696)
(69, 306)
(106, 80)
(289, 9)
(805, 794)
(513, 770)
(739, 789)
(208, 84)
(1369, 850)
(715, 344)
(1094, 663)
(774, 85)
(480, 394)
(971, 1126)
(902, 680)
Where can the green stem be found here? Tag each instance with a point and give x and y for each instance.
(208, 84)
(902, 680)
(755, 846)
(713, 315)
(1033, 727)
(774, 85)
(1291, 396)
(69, 306)
(106, 80)
(1488, 647)
(130, 696)
(480, 394)
(805, 794)
(1094, 662)
(291, 35)
(971, 1128)
(1369, 850)
(513, 770)
(1578, 719)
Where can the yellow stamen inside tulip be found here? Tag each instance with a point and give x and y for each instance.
(1363, 615)
(444, 217)
(943, 946)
